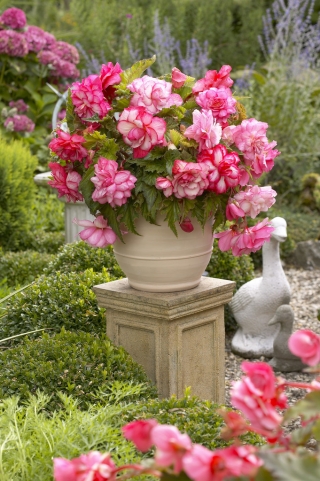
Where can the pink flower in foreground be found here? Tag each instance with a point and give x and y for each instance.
(141, 130)
(171, 446)
(222, 167)
(66, 183)
(96, 233)
(68, 147)
(36, 38)
(20, 105)
(109, 76)
(201, 464)
(93, 466)
(189, 179)
(260, 379)
(242, 460)
(87, 98)
(14, 18)
(246, 239)
(178, 78)
(251, 201)
(139, 432)
(204, 130)
(219, 101)
(235, 425)
(214, 79)
(153, 94)
(306, 345)
(111, 186)
(165, 184)
(13, 43)
(19, 123)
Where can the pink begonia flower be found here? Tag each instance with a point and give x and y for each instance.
(235, 425)
(204, 130)
(87, 98)
(214, 79)
(69, 147)
(66, 183)
(189, 179)
(139, 432)
(141, 130)
(178, 78)
(186, 225)
(219, 101)
(244, 240)
(251, 202)
(260, 379)
(20, 105)
(66, 51)
(93, 466)
(14, 18)
(222, 167)
(242, 460)
(109, 76)
(36, 38)
(306, 345)
(13, 43)
(171, 446)
(201, 464)
(165, 184)
(153, 94)
(96, 233)
(19, 123)
(111, 186)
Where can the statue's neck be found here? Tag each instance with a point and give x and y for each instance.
(271, 264)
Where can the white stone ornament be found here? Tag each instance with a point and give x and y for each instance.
(257, 301)
(283, 360)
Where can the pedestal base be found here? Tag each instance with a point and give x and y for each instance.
(177, 337)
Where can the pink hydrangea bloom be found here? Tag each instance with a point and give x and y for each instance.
(189, 180)
(214, 79)
(93, 466)
(50, 39)
(251, 202)
(222, 167)
(201, 464)
(141, 130)
(67, 70)
(139, 432)
(306, 345)
(204, 130)
(20, 105)
(19, 123)
(66, 52)
(153, 94)
(111, 186)
(66, 183)
(178, 78)
(244, 240)
(87, 98)
(47, 57)
(68, 147)
(36, 38)
(13, 43)
(219, 101)
(97, 233)
(14, 18)
(171, 446)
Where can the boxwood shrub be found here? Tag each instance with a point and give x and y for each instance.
(79, 256)
(191, 415)
(60, 300)
(20, 268)
(76, 363)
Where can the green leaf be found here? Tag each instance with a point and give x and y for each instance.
(175, 137)
(121, 104)
(109, 149)
(190, 104)
(128, 215)
(93, 139)
(150, 178)
(170, 157)
(210, 205)
(110, 214)
(174, 111)
(149, 192)
(307, 408)
(316, 430)
(72, 118)
(290, 466)
(175, 477)
(137, 69)
(172, 211)
(87, 187)
(184, 92)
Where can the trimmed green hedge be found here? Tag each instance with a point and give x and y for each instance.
(21, 268)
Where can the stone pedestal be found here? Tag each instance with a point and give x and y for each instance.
(178, 337)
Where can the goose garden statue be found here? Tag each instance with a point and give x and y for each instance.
(283, 360)
(257, 301)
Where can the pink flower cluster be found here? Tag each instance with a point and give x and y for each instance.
(96, 233)
(250, 201)
(69, 147)
(66, 182)
(19, 123)
(60, 57)
(173, 450)
(88, 99)
(188, 180)
(111, 186)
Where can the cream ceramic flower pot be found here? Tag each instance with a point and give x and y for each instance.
(158, 261)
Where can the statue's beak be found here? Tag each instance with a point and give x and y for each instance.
(273, 321)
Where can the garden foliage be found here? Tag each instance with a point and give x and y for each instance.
(75, 363)
(17, 190)
(20, 268)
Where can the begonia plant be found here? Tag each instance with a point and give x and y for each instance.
(261, 398)
(133, 145)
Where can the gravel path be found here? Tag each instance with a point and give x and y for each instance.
(305, 301)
